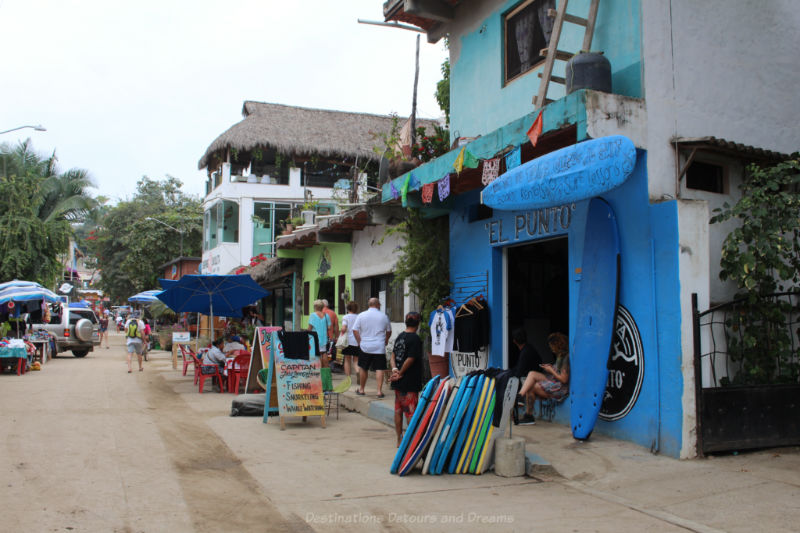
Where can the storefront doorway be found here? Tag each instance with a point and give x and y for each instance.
(537, 293)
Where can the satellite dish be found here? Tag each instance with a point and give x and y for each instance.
(383, 170)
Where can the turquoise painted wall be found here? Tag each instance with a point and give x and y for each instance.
(479, 101)
(341, 255)
(649, 290)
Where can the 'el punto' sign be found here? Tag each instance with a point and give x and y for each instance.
(535, 223)
(571, 174)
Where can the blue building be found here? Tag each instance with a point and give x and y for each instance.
(679, 92)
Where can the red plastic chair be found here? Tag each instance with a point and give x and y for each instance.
(201, 378)
(238, 370)
(189, 358)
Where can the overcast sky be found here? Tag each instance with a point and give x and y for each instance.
(127, 89)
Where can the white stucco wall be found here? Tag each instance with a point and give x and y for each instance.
(722, 68)
(694, 265)
(228, 256)
(371, 258)
(713, 68)
(719, 291)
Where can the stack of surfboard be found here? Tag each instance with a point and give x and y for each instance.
(451, 429)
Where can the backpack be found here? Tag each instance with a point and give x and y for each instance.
(132, 330)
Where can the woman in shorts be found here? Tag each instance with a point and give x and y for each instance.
(554, 381)
(351, 352)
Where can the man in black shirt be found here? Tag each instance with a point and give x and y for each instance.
(406, 377)
(528, 361)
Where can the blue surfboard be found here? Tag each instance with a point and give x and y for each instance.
(424, 398)
(574, 173)
(465, 425)
(594, 326)
(454, 424)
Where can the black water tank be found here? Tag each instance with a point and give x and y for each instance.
(588, 70)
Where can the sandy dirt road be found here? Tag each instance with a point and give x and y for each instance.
(88, 447)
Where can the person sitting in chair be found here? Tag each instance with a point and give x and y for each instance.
(553, 383)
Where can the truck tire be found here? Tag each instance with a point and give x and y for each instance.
(80, 353)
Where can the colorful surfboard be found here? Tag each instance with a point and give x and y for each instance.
(571, 174)
(454, 388)
(437, 408)
(424, 398)
(509, 399)
(453, 424)
(481, 440)
(422, 427)
(594, 325)
(475, 427)
(485, 451)
(466, 424)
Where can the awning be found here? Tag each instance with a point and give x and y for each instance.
(722, 146)
(571, 174)
(328, 229)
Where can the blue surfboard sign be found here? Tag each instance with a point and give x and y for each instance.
(571, 174)
(594, 324)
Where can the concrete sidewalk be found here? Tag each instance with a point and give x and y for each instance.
(743, 492)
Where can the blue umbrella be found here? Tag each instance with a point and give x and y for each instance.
(212, 293)
(24, 291)
(144, 297)
(167, 283)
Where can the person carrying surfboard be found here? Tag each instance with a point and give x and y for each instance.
(406, 379)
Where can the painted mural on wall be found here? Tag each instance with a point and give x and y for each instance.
(325, 263)
(625, 368)
(571, 174)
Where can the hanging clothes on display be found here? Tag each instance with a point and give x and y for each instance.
(440, 324)
(451, 333)
(472, 325)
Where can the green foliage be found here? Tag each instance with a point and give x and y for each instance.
(423, 259)
(762, 256)
(129, 248)
(442, 93)
(37, 206)
(389, 141)
(430, 147)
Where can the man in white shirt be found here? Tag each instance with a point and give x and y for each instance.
(372, 331)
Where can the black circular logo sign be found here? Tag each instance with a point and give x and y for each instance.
(625, 368)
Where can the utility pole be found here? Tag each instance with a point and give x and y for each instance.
(414, 99)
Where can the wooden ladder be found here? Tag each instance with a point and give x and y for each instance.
(552, 53)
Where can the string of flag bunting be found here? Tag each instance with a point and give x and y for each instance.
(465, 159)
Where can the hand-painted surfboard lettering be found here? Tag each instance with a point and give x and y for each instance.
(573, 173)
(545, 221)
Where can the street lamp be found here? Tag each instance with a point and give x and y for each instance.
(38, 127)
(170, 227)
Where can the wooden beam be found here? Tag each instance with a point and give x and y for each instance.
(687, 164)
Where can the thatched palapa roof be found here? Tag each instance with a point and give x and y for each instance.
(302, 130)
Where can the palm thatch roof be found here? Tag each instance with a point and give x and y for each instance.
(302, 130)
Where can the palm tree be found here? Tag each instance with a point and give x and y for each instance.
(44, 203)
